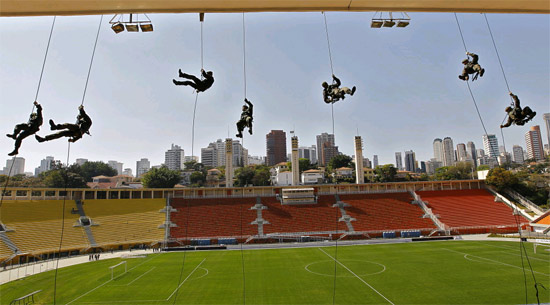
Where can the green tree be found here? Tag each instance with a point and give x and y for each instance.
(161, 178)
(61, 178)
(501, 179)
(88, 170)
(305, 164)
(385, 173)
(197, 178)
(244, 176)
(483, 167)
(340, 161)
(460, 171)
(193, 165)
(262, 176)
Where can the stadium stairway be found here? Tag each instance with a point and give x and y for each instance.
(259, 219)
(87, 229)
(7, 247)
(345, 217)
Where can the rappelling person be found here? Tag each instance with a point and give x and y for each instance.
(333, 93)
(21, 131)
(246, 119)
(197, 84)
(73, 131)
(471, 67)
(516, 115)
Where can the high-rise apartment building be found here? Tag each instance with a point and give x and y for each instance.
(410, 161)
(546, 118)
(448, 152)
(471, 151)
(533, 142)
(374, 161)
(517, 154)
(116, 166)
(490, 145)
(309, 153)
(275, 147)
(398, 161)
(321, 140)
(174, 158)
(142, 166)
(433, 165)
(461, 154)
(329, 152)
(438, 149)
(81, 161)
(127, 172)
(17, 166)
(45, 165)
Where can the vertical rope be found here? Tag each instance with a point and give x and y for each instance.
(202, 48)
(6, 186)
(242, 254)
(335, 259)
(184, 252)
(328, 43)
(44, 62)
(193, 126)
(244, 56)
(92, 60)
(62, 224)
(461, 35)
(496, 51)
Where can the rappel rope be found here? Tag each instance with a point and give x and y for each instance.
(331, 65)
(241, 205)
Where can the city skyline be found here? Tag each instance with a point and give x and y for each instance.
(407, 94)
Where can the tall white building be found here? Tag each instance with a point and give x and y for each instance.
(461, 154)
(438, 149)
(308, 153)
(18, 168)
(116, 165)
(142, 166)
(174, 158)
(127, 172)
(398, 161)
(81, 161)
(517, 153)
(374, 161)
(448, 152)
(190, 158)
(45, 165)
(546, 118)
(209, 155)
(490, 145)
(533, 141)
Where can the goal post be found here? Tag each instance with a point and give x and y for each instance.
(112, 268)
(540, 242)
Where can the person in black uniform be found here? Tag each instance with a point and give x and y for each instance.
(333, 93)
(471, 67)
(21, 131)
(73, 131)
(516, 115)
(246, 119)
(196, 83)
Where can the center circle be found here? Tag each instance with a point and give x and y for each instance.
(359, 267)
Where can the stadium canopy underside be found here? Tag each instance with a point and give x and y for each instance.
(94, 7)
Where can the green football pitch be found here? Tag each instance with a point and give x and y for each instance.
(445, 272)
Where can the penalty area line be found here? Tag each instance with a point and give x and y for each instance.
(168, 298)
(364, 282)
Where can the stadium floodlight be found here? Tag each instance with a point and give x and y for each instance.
(376, 23)
(388, 23)
(402, 24)
(132, 25)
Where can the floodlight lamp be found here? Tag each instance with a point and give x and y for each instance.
(402, 24)
(376, 24)
(388, 23)
(117, 27)
(146, 27)
(132, 27)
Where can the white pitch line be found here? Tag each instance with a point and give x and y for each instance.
(111, 280)
(140, 276)
(494, 261)
(357, 276)
(168, 298)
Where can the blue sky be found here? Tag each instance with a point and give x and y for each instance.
(407, 94)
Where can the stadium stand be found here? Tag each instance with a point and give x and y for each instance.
(385, 211)
(213, 217)
(5, 252)
(36, 226)
(126, 221)
(301, 217)
(469, 208)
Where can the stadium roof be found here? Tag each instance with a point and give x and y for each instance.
(94, 7)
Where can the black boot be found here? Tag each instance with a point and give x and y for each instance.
(239, 135)
(353, 90)
(39, 138)
(13, 153)
(11, 136)
(52, 125)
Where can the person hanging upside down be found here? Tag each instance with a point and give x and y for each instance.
(333, 93)
(246, 119)
(21, 131)
(196, 83)
(471, 67)
(72, 131)
(516, 115)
